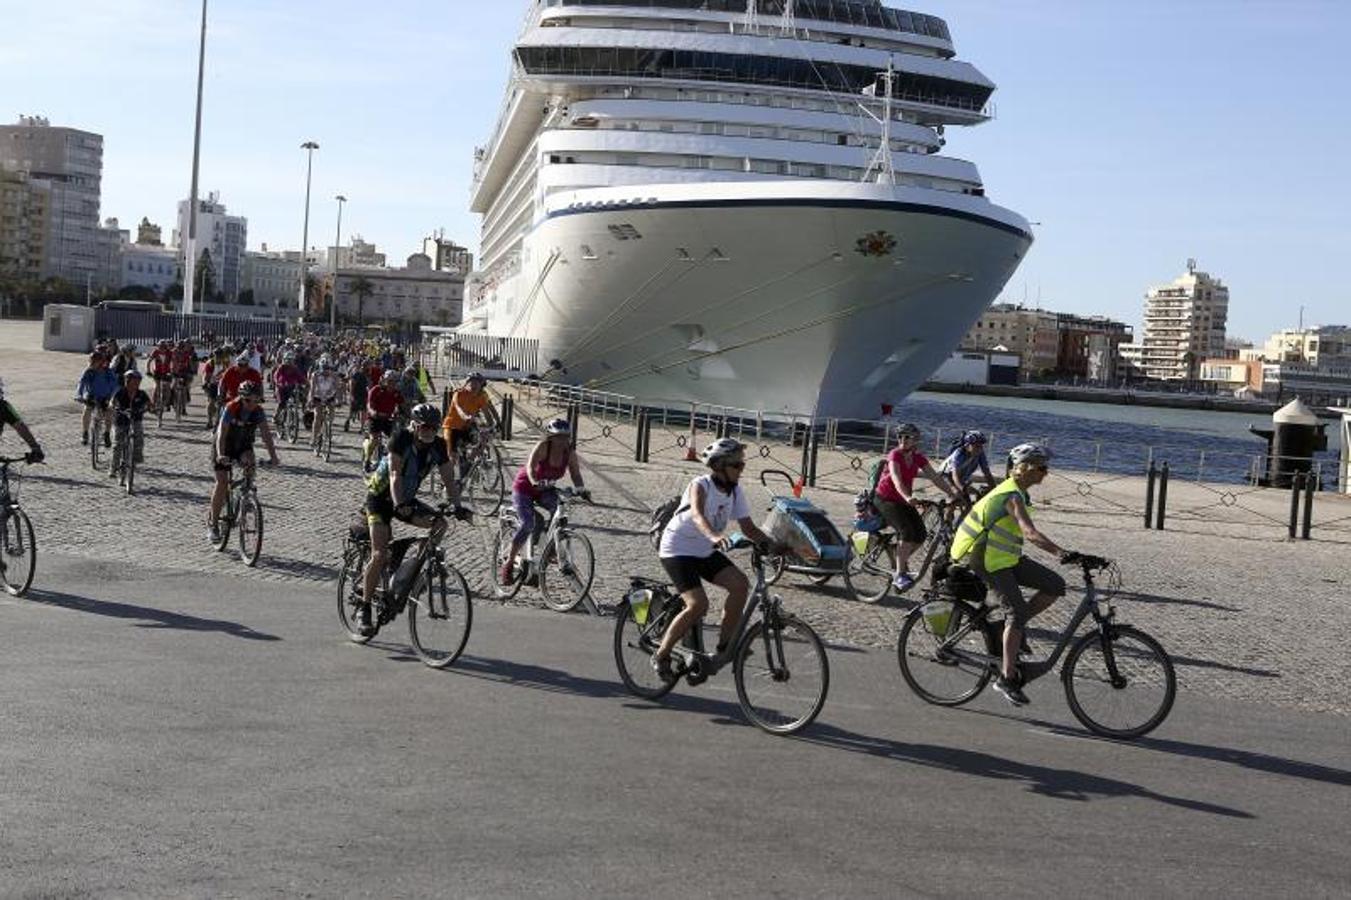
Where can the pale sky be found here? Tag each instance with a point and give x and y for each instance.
(1137, 134)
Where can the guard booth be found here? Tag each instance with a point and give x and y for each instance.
(67, 327)
(1296, 435)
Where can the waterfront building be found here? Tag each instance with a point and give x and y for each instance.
(70, 164)
(149, 234)
(735, 202)
(1230, 375)
(1322, 385)
(448, 256)
(1033, 334)
(25, 209)
(978, 367)
(150, 266)
(1323, 345)
(271, 277)
(1184, 324)
(414, 295)
(224, 236)
(357, 253)
(1087, 346)
(110, 241)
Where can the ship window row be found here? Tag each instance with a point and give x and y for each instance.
(781, 167)
(773, 100)
(768, 132)
(635, 62)
(861, 13)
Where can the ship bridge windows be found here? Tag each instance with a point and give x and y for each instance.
(861, 13)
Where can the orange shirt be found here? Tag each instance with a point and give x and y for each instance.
(471, 402)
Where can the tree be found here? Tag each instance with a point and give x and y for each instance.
(206, 276)
(139, 293)
(313, 294)
(362, 287)
(174, 293)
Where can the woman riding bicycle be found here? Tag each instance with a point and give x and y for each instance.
(534, 485)
(895, 500)
(965, 462)
(692, 544)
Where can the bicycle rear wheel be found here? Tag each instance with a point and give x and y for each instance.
(440, 615)
(869, 576)
(250, 524)
(1122, 686)
(782, 674)
(565, 578)
(634, 643)
(129, 466)
(924, 650)
(18, 552)
(328, 435)
(485, 488)
(350, 577)
(501, 547)
(95, 440)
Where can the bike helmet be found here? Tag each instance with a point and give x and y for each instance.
(475, 376)
(720, 449)
(907, 429)
(426, 414)
(410, 372)
(242, 359)
(251, 389)
(558, 426)
(390, 377)
(1029, 453)
(131, 375)
(973, 437)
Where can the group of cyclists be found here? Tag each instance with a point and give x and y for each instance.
(387, 398)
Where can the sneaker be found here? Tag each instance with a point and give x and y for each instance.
(84, 439)
(903, 582)
(213, 533)
(662, 666)
(363, 621)
(506, 577)
(1011, 690)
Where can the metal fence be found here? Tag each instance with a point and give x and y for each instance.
(148, 326)
(455, 353)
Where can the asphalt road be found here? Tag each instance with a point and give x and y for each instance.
(173, 734)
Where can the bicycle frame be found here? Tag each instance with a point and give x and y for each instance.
(697, 660)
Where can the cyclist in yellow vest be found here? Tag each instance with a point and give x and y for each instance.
(990, 541)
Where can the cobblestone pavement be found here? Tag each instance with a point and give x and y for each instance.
(1244, 616)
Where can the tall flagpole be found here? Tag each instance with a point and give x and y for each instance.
(190, 248)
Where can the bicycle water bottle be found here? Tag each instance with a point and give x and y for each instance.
(640, 602)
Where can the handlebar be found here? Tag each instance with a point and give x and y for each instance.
(1085, 561)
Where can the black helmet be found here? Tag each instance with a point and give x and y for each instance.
(426, 414)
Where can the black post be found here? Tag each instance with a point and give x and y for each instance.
(814, 440)
(805, 468)
(508, 414)
(1296, 488)
(1150, 477)
(638, 437)
(1163, 497)
(1310, 484)
(574, 414)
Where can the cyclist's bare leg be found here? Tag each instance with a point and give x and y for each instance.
(696, 605)
(732, 580)
(219, 493)
(380, 534)
(1013, 635)
(84, 420)
(904, 550)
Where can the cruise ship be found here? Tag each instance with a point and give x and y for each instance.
(737, 202)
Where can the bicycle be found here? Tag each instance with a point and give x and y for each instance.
(160, 400)
(437, 588)
(478, 465)
(18, 548)
(778, 662)
(323, 445)
(124, 456)
(178, 398)
(289, 426)
(243, 509)
(560, 547)
(872, 565)
(97, 427)
(951, 640)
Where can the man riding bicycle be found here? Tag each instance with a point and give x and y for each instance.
(392, 494)
(161, 368)
(692, 544)
(129, 406)
(962, 465)
(239, 420)
(185, 365)
(990, 541)
(325, 386)
(466, 404)
(95, 390)
(233, 379)
(285, 379)
(10, 416)
(382, 402)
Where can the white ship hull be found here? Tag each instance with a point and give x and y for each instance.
(778, 296)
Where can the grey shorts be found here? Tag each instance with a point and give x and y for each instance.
(1007, 585)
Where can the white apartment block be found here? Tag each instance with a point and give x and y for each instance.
(224, 235)
(146, 265)
(1184, 324)
(415, 295)
(274, 277)
(1319, 347)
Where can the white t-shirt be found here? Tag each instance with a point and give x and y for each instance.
(325, 386)
(683, 538)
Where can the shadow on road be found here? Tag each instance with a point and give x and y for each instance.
(540, 678)
(1223, 667)
(149, 616)
(1179, 601)
(1059, 784)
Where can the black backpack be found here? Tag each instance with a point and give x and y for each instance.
(661, 516)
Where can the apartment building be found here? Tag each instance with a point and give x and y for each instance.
(415, 295)
(1184, 324)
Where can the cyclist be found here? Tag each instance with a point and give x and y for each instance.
(285, 379)
(185, 363)
(990, 541)
(692, 544)
(466, 404)
(95, 390)
(129, 406)
(392, 493)
(124, 360)
(357, 385)
(10, 416)
(240, 419)
(233, 378)
(534, 484)
(382, 402)
(161, 366)
(324, 388)
(410, 389)
(895, 500)
(966, 460)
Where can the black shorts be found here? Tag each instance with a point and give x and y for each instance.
(380, 508)
(687, 572)
(227, 463)
(161, 376)
(460, 437)
(381, 425)
(1007, 585)
(904, 519)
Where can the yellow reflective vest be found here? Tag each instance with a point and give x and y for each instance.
(989, 525)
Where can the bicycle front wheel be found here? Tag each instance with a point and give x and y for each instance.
(18, 552)
(569, 567)
(932, 651)
(869, 576)
(485, 488)
(782, 675)
(1120, 684)
(250, 524)
(440, 615)
(129, 467)
(634, 643)
(350, 578)
(95, 441)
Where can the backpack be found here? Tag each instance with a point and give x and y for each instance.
(661, 516)
(874, 476)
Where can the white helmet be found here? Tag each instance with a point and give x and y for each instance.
(558, 426)
(720, 450)
(1029, 453)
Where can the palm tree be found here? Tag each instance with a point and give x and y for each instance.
(313, 294)
(362, 287)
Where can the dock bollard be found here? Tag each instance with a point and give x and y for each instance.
(814, 441)
(508, 412)
(1310, 484)
(805, 467)
(1163, 497)
(1150, 477)
(1296, 489)
(641, 427)
(574, 415)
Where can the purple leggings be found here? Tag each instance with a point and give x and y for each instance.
(525, 511)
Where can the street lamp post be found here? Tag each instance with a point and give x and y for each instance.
(190, 254)
(310, 147)
(337, 243)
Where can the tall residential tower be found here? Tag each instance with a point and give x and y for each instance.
(1184, 324)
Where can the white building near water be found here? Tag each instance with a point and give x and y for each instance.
(225, 236)
(1184, 324)
(414, 295)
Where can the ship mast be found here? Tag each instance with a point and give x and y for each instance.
(881, 162)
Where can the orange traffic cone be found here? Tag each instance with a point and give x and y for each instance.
(797, 487)
(690, 455)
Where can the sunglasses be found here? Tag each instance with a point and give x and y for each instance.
(735, 465)
(1040, 468)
